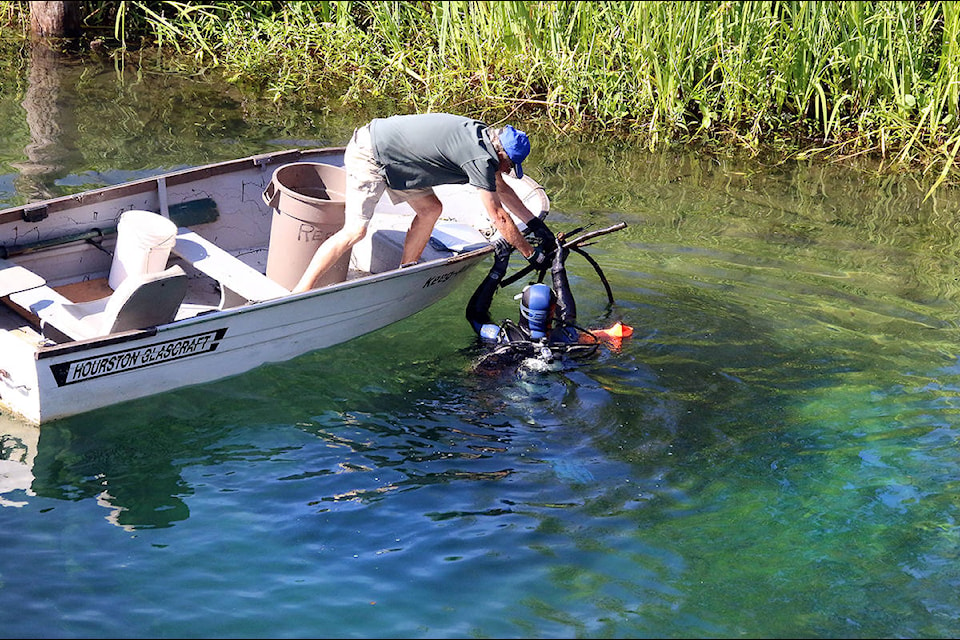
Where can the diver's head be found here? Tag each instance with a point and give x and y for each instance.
(537, 302)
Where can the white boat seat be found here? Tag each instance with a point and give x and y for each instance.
(239, 282)
(382, 249)
(140, 302)
(14, 278)
(456, 237)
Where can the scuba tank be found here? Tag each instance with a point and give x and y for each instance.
(536, 309)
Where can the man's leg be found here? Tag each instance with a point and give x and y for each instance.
(364, 186)
(428, 209)
(332, 249)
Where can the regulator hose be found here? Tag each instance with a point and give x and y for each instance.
(576, 245)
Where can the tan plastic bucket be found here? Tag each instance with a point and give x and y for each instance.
(308, 201)
(144, 241)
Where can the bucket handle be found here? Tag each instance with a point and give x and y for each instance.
(271, 196)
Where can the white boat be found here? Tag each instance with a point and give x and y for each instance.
(99, 310)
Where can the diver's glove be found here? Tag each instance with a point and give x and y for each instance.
(539, 260)
(501, 256)
(501, 247)
(548, 241)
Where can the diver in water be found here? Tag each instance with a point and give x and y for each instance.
(547, 329)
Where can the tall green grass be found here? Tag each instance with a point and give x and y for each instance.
(835, 79)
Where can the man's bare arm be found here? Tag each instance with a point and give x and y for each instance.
(512, 201)
(504, 222)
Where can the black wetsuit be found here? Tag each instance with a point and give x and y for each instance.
(514, 339)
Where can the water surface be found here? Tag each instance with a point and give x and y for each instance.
(773, 453)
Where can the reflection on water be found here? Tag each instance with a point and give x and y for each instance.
(71, 127)
(18, 448)
(51, 130)
(773, 452)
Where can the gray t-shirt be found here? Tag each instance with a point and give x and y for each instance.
(426, 150)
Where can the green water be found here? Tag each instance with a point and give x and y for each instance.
(773, 453)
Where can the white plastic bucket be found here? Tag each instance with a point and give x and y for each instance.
(144, 241)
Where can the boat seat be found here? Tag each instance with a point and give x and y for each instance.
(382, 249)
(14, 278)
(456, 237)
(140, 302)
(240, 283)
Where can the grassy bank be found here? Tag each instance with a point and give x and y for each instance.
(837, 80)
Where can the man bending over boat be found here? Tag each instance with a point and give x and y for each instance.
(407, 156)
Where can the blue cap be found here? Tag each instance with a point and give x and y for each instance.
(516, 145)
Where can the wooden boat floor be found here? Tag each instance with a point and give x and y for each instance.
(85, 290)
(13, 322)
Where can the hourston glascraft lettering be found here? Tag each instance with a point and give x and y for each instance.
(104, 365)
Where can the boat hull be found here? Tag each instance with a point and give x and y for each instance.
(78, 377)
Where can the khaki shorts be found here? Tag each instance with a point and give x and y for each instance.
(365, 182)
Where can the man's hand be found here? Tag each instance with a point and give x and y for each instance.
(548, 241)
